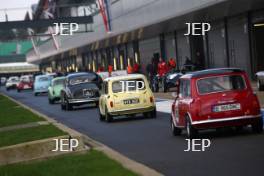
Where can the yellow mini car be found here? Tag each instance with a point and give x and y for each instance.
(126, 95)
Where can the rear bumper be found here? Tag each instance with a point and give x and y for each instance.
(83, 101)
(224, 122)
(132, 111)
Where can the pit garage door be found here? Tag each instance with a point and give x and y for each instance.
(183, 47)
(147, 49)
(217, 46)
(170, 46)
(238, 41)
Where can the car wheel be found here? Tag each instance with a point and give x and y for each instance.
(36, 94)
(63, 103)
(101, 116)
(51, 101)
(260, 86)
(7, 89)
(191, 131)
(18, 90)
(175, 131)
(68, 106)
(108, 117)
(258, 126)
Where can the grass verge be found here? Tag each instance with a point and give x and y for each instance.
(13, 137)
(93, 163)
(13, 114)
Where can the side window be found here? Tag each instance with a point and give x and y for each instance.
(185, 89)
(105, 88)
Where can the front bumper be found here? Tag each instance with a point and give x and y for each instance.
(132, 111)
(83, 101)
(225, 122)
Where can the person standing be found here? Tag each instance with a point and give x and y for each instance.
(136, 68)
(172, 64)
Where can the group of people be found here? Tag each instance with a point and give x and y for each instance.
(161, 68)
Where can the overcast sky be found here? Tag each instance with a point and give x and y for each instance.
(13, 13)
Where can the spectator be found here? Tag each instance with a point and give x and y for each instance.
(162, 68)
(136, 68)
(172, 64)
(129, 69)
(110, 70)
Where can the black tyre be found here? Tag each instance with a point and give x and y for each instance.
(18, 90)
(7, 89)
(101, 116)
(258, 126)
(51, 101)
(108, 117)
(191, 131)
(35, 94)
(175, 131)
(63, 107)
(68, 106)
(260, 86)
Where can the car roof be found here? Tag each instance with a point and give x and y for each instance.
(41, 76)
(116, 78)
(217, 71)
(58, 78)
(79, 74)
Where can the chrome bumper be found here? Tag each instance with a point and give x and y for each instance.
(226, 119)
(79, 101)
(132, 111)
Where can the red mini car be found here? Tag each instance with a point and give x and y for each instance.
(26, 82)
(213, 99)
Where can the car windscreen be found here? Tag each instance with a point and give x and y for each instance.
(130, 85)
(220, 84)
(81, 79)
(58, 82)
(14, 80)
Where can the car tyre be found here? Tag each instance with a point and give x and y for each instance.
(68, 106)
(191, 131)
(175, 131)
(101, 116)
(35, 94)
(51, 101)
(18, 90)
(258, 126)
(63, 107)
(260, 86)
(108, 117)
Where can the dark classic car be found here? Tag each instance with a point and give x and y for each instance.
(79, 89)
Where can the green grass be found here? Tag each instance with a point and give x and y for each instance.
(93, 163)
(13, 114)
(13, 137)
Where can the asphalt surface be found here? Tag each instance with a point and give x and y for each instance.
(150, 141)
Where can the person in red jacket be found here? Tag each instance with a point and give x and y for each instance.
(110, 70)
(136, 68)
(172, 64)
(162, 68)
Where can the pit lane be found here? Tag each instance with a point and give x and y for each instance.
(150, 141)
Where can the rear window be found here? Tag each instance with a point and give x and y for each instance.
(58, 82)
(128, 85)
(44, 79)
(220, 84)
(81, 79)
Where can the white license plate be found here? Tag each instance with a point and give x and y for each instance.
(228, 107)
(26, 87)
(131, 101)
(88, 93)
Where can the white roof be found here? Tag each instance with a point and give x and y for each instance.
(124, 77)
(18, 67)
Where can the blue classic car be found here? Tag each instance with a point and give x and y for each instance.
(41, 84)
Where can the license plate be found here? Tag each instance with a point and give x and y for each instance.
(26, 87)
(131, 101)
(87, 93)
(228, 107)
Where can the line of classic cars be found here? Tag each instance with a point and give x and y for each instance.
(207, 99)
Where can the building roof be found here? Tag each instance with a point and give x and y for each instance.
(18, 67)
